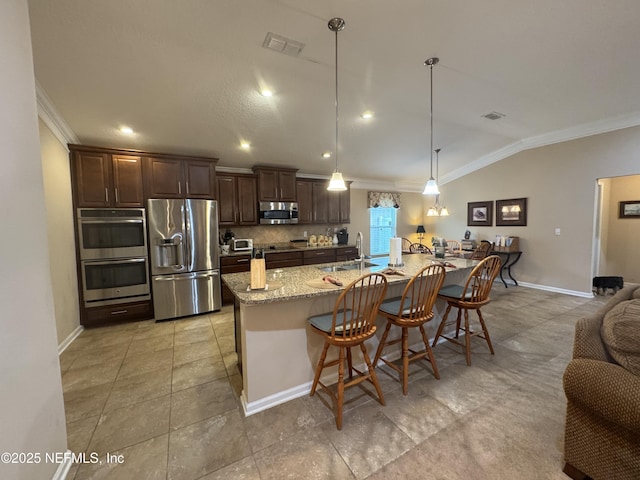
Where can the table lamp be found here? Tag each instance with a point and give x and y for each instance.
(420, 231)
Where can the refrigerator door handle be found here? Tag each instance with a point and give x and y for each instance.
(186, 246)
(206, 274)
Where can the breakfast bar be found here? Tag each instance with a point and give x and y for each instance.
(276, 355)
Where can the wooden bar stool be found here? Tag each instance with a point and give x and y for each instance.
(472, 296)
(350, 324)
(413, 309)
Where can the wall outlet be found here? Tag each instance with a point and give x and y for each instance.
(557, 231)
(304, 234)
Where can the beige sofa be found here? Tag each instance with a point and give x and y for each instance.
(602, 385)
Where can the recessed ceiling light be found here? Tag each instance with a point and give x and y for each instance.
(245, 145)
(367, 115)
(326, 155)
(266, 93)
(126, 130)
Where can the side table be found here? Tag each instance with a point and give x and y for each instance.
(509, 259)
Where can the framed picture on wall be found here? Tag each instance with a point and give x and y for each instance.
(480, 214)
(511, 212)
(630, 209)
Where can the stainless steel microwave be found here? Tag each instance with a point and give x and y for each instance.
(111, 233)
(276, 213)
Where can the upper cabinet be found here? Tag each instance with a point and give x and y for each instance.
(102, 178)
(317, 205)
(179, 177)
(339, 206)
(237, 199)
(304, 189)
(276, 184)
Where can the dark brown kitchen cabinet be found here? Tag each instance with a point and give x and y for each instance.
(103, 179)
(179, 177)
(232, 264)
(344, 254)
(282, 259)
(320, 202)
(276, 184)
(305, 201)
(127, 181)
(117, 313)
(339, 206)
(237, 199)
(321, 255)
(317, 205)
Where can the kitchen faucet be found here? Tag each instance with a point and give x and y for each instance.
(359, 247)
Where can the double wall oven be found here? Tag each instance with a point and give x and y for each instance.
(113, 255)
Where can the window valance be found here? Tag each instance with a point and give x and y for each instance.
(384, 199)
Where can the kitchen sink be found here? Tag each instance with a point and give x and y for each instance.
(347, 266)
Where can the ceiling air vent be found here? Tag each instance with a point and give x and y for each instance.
(282, 44)
(494, 115)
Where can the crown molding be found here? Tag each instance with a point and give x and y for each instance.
(52, 119)
(573, 133)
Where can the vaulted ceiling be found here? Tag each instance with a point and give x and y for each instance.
(185, 76)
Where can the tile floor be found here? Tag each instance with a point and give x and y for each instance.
(165, 396)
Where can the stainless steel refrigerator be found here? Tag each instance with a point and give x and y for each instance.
(185, 262)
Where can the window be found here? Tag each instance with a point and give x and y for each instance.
(382, 226)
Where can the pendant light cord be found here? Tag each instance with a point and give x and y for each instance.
(431, 116)
(336, 100)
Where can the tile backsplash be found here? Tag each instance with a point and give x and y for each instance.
(264, 235)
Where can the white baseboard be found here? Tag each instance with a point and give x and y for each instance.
(64, 467)
(575, 293)
(67, 341)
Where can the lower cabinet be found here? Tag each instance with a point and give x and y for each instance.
(282, 259)
(118, 313)
(344, 254)
(232, 264)
(323, 255)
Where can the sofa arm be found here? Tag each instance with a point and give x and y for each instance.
(606, 389)
(587, 341)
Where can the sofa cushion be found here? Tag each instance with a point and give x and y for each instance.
(636, 293)
(621, 334)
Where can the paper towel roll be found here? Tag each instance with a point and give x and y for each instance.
(395, 251)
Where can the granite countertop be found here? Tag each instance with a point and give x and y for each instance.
(296, 282)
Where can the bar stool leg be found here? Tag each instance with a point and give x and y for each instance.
(405, 360)
(441, 326)
(467, 336)
(319, 368)
(430, 356)
(486, 332)
(340, 400)
(381, 345)
(372, 372)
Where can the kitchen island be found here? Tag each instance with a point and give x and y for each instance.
(277, 352)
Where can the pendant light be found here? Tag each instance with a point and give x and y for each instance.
(437, 210)
(431, 188)
(336, 183)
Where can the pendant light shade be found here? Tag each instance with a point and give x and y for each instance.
(437, 210)
(431, 188)
(336, 184)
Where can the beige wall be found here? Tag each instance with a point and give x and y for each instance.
(32, 410)
(560, 183)
(619, 254)
(59, 207)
